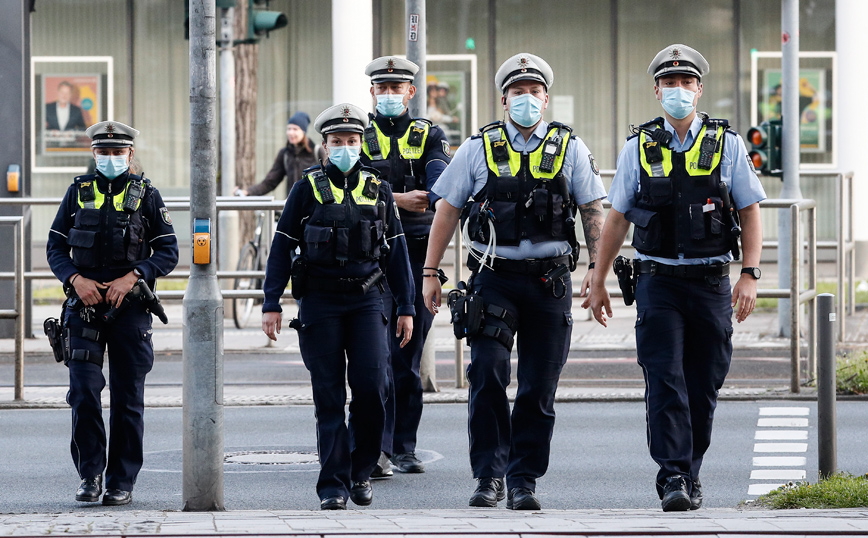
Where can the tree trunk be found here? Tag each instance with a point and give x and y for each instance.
(246, 65)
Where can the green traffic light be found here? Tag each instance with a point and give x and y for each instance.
(470, 44)
(265, 21)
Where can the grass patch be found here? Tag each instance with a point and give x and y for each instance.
(852, 374)
(842, 490)
(54, 294)
(822, 287)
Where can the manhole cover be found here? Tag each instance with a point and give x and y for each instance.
(271, 457)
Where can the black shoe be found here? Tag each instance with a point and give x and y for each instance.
(488, 492)
(333, 503)
(522, 499)
(117, 497)
(408, 463)
(383, 468)
(89, 490)
(675, 497)
(696, 495)
(362, 493)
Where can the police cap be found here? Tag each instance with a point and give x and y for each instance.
(111, 134)
(344, 117)
(678, 59)
(524, 66)
(390, 68)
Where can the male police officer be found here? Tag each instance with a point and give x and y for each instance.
(674, 182)
(525, 177)
(410, 154)
(119, 231)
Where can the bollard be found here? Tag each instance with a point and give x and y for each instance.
(826, 386)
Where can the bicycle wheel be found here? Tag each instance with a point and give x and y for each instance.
(248, 260)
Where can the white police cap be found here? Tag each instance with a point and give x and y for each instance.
(390, 68)
(344, 117)
(524, 66)
(111, 134)
(678, 59)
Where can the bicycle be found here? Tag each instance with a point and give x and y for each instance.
(250, 259)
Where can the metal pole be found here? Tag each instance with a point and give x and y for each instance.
(416, 52)
(789, 147)
(229, 228)
(460, 379)
(826, 386)
(840, 254)
(795, 343)
(812, 285)
(203, 304)
(19, 308)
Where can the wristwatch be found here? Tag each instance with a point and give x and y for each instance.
(752, 271)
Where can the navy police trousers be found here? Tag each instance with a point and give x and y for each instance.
(345, 333)
(130, 358)
(404, 405)
(518, 444)
(684, 346)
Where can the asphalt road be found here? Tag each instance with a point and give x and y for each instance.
(599, 458)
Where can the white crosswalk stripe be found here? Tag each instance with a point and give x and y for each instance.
(787, 419)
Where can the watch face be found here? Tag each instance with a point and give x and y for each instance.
(753, 271)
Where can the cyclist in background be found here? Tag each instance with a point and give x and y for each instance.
(298, 154)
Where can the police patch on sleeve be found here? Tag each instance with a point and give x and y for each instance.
(395, 207)
(594, 167)
(750, 163)
(446, 149)
(164, 212)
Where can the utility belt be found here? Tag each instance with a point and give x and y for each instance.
(682, 271)
(534, 267)
(470, 313)
(417, 245)
(353, 286)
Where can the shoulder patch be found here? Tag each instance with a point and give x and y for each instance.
(750, 163)
(395, 207)
(594, 167)
(446, 149)
(164, 213)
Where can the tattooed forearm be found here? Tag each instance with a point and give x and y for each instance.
(592, 223)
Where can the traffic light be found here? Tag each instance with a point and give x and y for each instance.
(260, 21)
(765, 152)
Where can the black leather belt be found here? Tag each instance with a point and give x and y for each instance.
(537, 266)
(682, 271)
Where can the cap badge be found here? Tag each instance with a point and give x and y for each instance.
(523, 63)
(390, 65)
(676, 63)
(675, 54)
(110, 128)
(345, 112)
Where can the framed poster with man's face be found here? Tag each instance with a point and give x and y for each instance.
(70, 104)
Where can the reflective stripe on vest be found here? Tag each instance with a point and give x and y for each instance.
(495, 138)
(407, 151)
(99, 199)
(691, 156)
(338, 193)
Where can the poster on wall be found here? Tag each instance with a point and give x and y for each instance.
(813, 111)
(69, 104)
(447, 103)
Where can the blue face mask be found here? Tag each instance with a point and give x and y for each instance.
(678, 102)
(344, 157)
(390, 104)
(112, 166)
(525, 110)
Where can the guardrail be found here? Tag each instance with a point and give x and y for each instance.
(844, 246)
(18, 312)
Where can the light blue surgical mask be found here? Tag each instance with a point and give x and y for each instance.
(112, 166)
(390, 104)
(344, 157)
(525, 109)
(677, 102)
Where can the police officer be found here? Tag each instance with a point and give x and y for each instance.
(119, 231)
(677, 178)
(526, 177)
(346, 224)
(410, 154)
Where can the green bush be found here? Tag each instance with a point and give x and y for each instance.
(852, 374)
(842, 490)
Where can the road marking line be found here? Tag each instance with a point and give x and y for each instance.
(782, 423)
(780, 447)
(781, 435)
(784, 411)
(777, 474)
(779, 461)
(762, 489)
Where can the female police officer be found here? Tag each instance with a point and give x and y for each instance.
(119, 231)
(345, 221)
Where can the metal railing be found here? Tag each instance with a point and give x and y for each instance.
(18, 312)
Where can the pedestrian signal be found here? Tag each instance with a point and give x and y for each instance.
(765, 152)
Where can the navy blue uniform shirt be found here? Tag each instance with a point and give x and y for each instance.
(299, 207)
(160, 238)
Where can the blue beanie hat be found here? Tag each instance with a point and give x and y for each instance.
(301, 119)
